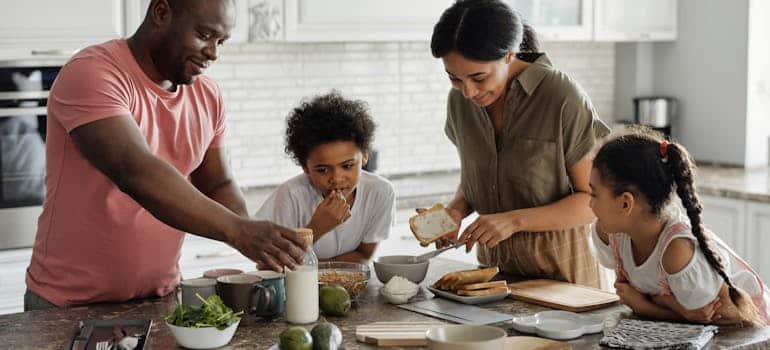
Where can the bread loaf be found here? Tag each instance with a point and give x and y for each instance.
(480, 292)
(454, 279)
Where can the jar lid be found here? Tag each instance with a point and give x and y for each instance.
(304, 232)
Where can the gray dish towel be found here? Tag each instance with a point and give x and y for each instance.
(644, 335)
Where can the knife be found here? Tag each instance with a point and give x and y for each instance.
(81, 339)
(433, 254)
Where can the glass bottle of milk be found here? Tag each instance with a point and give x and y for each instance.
(302, 286)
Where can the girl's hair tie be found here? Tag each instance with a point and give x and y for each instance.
(664, 151)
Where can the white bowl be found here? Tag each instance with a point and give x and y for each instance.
(559, 325)
(398, 298)
(462, 337)
(203, 338)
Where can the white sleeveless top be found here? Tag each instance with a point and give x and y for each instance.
(697, 284)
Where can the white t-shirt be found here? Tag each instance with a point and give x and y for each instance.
(373, 213)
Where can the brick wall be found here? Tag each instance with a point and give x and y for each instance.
(405, 87)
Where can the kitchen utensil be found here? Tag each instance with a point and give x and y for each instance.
(205, 287)
(469, 299)
(560, 325)
(429, 255)
(408, 333)
(533, 343)
(203, 338)
(562, 295)
(461, 337)
(81, 339)
(385, 267)
(654, 111)
(456, 312)
(104, 345)
(248, 293)
(104, 331)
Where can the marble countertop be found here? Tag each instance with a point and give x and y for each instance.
(53, 328)
(734, 182)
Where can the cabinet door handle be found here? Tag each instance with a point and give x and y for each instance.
(53, 52)
(221, 254)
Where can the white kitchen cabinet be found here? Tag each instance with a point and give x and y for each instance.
(361, 20)
(136, 10)
(758, 229)
(558, 20)
(13, 269)
(50, 27)
(726, 217)
(633, 20)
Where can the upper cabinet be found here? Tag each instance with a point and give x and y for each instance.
(361, 20)
(558, 20)
(634, 20)
(38, 28)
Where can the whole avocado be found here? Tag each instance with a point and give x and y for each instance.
(334, 300)
(326, 336)
(295, 338)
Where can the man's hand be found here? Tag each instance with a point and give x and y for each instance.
(268, 244)
(330, 213)
(448, 239)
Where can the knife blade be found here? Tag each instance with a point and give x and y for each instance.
(433, 254)
(80, 342)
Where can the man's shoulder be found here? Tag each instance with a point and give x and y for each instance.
(108, 52)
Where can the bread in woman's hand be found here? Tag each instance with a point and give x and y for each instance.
(454, 279)
(432, 224)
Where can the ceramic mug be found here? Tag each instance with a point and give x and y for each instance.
(275, 280)
(247, 293)
(204, 287)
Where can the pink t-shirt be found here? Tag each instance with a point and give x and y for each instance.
(94, 243)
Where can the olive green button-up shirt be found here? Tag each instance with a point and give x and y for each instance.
(549, 124)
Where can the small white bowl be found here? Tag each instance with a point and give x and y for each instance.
(398, 298)
(461, 337)
(559, 325)
(203, 338)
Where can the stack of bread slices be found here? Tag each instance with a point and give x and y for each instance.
(475, 282)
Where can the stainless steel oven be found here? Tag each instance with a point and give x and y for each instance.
(24, 87)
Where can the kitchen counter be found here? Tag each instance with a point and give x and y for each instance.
(734, 182)
(51, 329)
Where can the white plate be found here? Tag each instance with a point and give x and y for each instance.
(559, 325)
(469, 299)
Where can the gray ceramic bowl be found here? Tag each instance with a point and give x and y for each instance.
(461, 337)
(385, 267)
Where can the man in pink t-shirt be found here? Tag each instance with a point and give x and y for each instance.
(135, 157)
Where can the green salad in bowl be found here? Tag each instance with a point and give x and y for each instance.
(210, 326)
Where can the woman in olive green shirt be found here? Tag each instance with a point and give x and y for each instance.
(523, 131)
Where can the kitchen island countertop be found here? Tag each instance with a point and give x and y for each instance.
(52, 329)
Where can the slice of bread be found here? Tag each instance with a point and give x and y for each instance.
(432, 224)
(454, 279)
(485, 285)
(480, 292)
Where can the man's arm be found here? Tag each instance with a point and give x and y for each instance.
(117, 148)
(214, 179)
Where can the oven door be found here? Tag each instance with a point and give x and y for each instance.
(23, 94)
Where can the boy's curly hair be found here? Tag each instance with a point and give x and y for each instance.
(327, 118)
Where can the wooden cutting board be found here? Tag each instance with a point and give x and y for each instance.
(562, 295)
(395, 333)
(534, 343)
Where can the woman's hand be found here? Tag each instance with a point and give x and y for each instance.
(490, 229)
(330, 213)
(448, 239)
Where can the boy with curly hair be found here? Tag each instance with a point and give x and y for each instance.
(349, 210)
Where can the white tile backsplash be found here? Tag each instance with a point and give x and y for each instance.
(403, 84)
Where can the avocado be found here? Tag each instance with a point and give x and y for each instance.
(334, 300)
(326, 336)
(296, 338)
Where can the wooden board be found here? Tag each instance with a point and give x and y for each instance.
(395, 333)
(534, 343)
(562, 295)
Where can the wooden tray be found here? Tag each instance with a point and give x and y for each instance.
(562, 295)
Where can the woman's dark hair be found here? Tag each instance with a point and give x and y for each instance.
(327, 118)
(483, 30)
(634, 162)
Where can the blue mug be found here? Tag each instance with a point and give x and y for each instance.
(275, 282)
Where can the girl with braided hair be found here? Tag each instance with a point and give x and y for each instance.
(669, 266)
